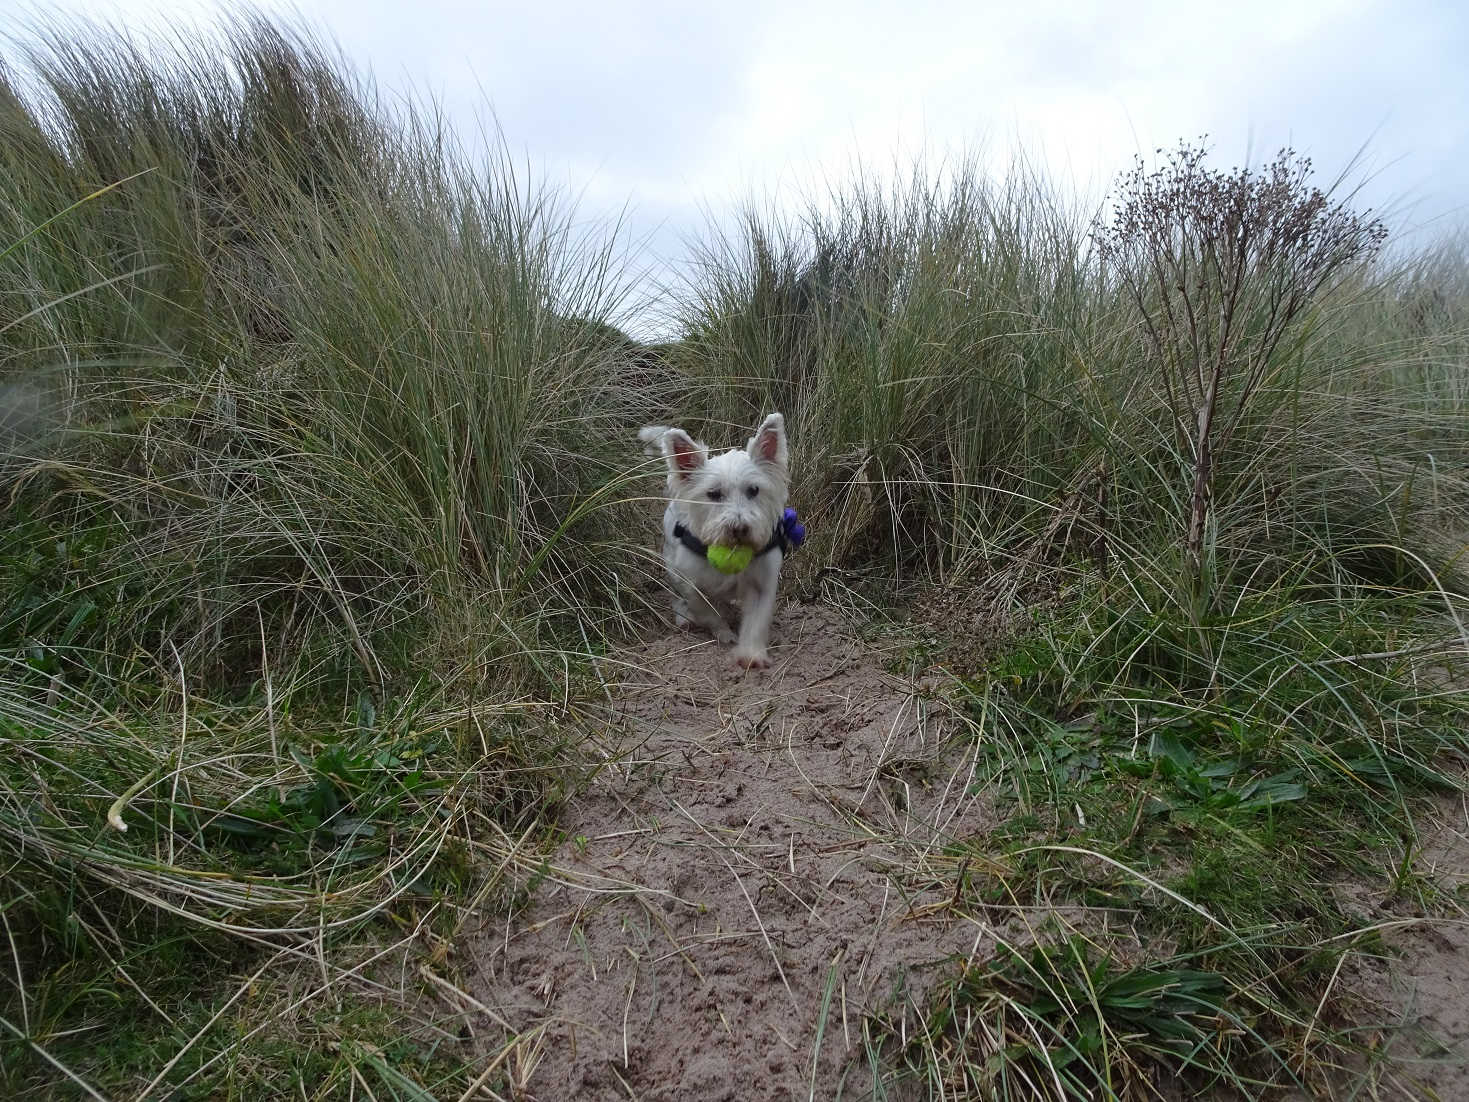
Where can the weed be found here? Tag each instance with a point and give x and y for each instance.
(1066, 1019)
(1221, 268)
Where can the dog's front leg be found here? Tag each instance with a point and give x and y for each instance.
(757, 607)
(693, 606)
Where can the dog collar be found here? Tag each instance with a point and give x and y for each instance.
(789, 534)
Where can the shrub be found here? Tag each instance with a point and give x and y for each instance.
(1223, 267)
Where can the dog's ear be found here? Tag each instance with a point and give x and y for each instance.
(685, 455)
(768, 445)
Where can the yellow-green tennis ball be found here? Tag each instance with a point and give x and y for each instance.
(730, 560)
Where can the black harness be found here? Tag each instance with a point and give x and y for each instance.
(777, 539)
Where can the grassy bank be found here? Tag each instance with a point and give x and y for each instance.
(311, 434)
(319, 473)
(1184, 488)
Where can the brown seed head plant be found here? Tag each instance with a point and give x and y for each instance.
(1225, 269)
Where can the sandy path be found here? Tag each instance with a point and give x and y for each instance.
(764, 864)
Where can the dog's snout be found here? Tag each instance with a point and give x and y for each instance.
(739, 530)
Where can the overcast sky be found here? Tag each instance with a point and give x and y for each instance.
(674, 110)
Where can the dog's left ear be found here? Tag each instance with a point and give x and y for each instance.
(768, 445)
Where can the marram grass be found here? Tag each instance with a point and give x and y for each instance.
(321, 494)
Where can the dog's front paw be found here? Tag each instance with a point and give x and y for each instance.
(752, 659)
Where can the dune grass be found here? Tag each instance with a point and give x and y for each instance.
(1215, 671)
(318, 469)
(968, 359)
(1198, 813)
(312, 467)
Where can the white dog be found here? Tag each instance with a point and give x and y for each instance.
(732, 501)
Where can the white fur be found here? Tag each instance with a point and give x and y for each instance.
(704, 595)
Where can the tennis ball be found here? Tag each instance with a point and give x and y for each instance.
(730, 560)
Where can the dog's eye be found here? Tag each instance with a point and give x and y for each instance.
(752, 491)
(716, 495)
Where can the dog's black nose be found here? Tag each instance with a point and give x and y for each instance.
(739, 531)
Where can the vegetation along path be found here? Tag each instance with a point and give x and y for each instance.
(775, 888)
(333, 764)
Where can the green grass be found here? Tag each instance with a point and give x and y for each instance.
(1200, 746)
(976, 375)
(316, 448)
(1192, 808)
(311, 434)
(1070, 1020)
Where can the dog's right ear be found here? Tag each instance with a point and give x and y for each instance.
(685, 455)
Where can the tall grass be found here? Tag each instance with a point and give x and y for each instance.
(312, 477)
(960, 364)
(317, 468)
(1213, 684)
(918, 337)
(318, 357)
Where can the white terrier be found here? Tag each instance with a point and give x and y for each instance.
(726, 532)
